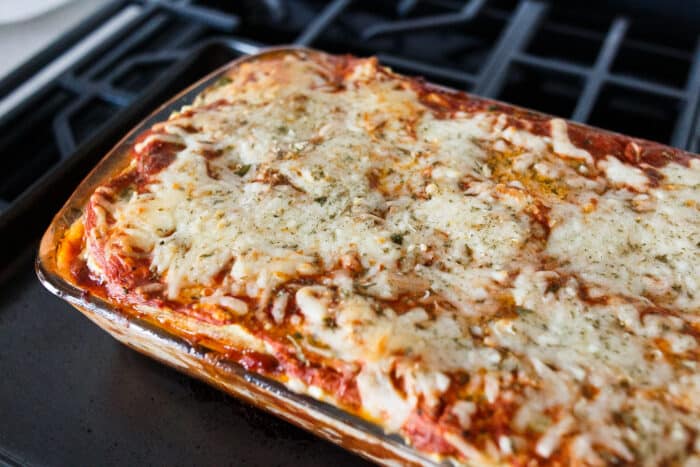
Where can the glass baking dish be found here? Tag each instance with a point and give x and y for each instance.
(324, 420)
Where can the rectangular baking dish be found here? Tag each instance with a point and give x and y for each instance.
(324, 420)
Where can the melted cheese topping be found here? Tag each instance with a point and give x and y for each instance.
(651, 252)
(451, 257)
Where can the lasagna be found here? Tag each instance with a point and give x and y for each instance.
(495, 286)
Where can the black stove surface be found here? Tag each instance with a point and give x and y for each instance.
(69, 394)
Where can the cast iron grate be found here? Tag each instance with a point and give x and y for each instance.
(615, 70)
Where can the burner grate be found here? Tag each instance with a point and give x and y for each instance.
(612, 69)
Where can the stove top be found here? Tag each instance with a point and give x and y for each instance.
(75, 394)
(594, 65)
(601, 67)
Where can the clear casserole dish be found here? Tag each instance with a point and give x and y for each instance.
(629, 169)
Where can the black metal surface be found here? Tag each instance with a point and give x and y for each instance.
(71, 395)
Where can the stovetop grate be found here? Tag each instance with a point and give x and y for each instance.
(616, 71)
